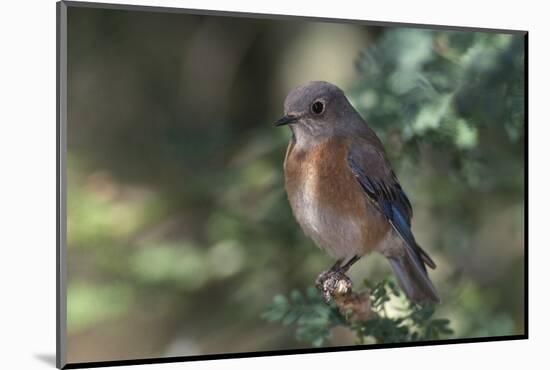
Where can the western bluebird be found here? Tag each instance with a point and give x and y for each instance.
(343, 191)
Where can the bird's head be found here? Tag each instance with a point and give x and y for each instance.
(318, 110)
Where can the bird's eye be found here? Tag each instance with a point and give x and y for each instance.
(317, 107)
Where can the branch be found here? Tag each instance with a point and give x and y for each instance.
(337, 286)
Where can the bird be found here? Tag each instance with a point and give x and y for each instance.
(343, 191)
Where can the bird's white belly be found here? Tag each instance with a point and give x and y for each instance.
(338, 234)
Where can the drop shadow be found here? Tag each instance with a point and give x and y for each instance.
(47, 358)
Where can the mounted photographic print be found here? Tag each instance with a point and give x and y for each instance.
(235, 184)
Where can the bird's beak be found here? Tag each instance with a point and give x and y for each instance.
(285, 120)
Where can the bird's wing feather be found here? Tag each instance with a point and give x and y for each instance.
(373, 171)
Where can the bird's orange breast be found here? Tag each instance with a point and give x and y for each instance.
(328, 202)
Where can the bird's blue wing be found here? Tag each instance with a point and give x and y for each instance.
(374, 174)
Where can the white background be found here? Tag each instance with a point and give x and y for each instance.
(27, 173)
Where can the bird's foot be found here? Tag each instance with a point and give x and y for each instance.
(333, 282)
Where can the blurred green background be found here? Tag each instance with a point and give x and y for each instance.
(179, 231)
